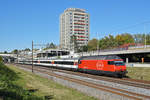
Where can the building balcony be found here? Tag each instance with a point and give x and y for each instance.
(78, 30)
(79, 23)
(79, 14)
(81, 39)
(81, 36)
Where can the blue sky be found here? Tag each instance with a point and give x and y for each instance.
(22, 21)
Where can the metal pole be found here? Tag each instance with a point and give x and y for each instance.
(97, 44)
(32, 56)
(57, 53)
(82, 51)
(17, 57)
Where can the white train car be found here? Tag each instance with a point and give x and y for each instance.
(57, 63)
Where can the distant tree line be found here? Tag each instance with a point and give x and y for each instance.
(48, 46)
(110, 41)
(16, 51)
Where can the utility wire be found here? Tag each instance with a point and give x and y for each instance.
(131, 26)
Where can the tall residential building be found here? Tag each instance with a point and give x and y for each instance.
(74, 22)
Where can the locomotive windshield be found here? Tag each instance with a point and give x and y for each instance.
(119, 63)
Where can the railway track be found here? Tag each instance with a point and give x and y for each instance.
(125, 81)
(120, 92)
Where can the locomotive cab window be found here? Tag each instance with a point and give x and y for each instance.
(110, 62)
(119, 63)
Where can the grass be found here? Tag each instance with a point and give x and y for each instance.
(45, 87)
(9, 90)
(139, 73)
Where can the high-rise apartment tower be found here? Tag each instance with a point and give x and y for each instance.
(74, 23)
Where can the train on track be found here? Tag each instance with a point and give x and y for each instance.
(100, 65)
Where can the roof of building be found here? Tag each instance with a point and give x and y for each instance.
(75, 9)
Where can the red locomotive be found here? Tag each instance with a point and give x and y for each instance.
(108, 65)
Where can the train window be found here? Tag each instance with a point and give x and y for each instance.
(110, 62)
(35, 61)
(64, 62)
(105, 57)
(45, 62)
(69, 63)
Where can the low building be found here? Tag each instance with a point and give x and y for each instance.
(51, 53)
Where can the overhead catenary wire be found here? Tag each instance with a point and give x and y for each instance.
(131, 26)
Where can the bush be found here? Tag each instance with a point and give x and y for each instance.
(1, 59)
(7, 76)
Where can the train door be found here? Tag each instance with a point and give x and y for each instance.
(110, 66)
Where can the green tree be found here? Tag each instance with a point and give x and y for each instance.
(108, 42)
(128, 38)
(15, 51)
(148, 39)
(92, 44)
(124, 39)
(73, 41)
(83, 48)
(27, 49)
(5, 52)
(50, 46)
